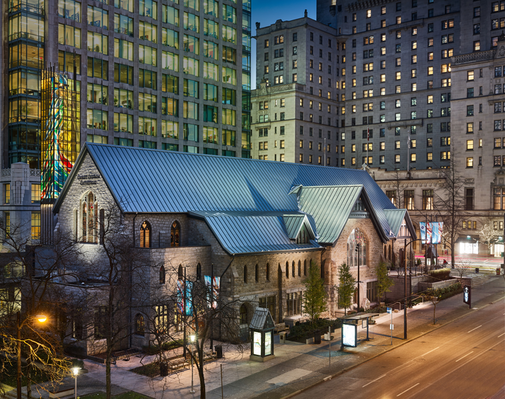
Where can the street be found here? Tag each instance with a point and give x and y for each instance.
(463, 359)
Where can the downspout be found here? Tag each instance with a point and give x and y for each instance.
(322, 253)
(133, 228)
(130, 293)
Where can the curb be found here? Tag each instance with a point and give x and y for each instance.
(436, 327)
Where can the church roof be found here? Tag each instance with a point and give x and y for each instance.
(157, 181)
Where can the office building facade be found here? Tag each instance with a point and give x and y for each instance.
(168, 75)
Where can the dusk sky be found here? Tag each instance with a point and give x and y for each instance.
(266, 12)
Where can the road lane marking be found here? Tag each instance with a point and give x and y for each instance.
(430, 351)
(377, 379)
(413, 386)
(464, 356)
(474, 329)
(501, 335)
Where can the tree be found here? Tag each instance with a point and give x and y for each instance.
(435, 297)
(488, 234)
(27, 288)
(314, 298)
(384, 282)
(199, 312)
(116, 265)
(345, 287)
(450, 206)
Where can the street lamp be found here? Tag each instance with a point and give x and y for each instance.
(75, 372)
(41, 319)
(192, 339)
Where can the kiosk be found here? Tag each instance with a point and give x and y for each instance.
(262, 334)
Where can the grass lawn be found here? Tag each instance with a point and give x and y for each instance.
(126, 395)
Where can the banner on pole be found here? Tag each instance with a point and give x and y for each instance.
(431, 233)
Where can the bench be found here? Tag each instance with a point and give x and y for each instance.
(280, 328)
(62, 393)
(177, 363)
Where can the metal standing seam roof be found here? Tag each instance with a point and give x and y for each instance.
(262, 320)
(158, 181)
(330, 207)
(395, 218)
(294, 224)
(252, 232)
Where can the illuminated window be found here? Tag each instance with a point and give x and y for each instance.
(145, 235)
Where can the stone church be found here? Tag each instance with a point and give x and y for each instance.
(257, 224)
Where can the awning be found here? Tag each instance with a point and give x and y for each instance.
(469, 239)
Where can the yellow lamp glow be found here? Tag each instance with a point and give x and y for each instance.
(41, 318)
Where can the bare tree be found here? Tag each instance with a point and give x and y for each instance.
(28, 280)
(199, 311)
(450, 207)
(487, 233)
(113, 269)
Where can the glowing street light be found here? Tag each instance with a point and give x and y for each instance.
(41, 319)
(75, 372)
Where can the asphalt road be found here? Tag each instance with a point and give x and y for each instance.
(463, 359)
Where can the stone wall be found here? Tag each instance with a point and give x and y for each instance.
(334, 256)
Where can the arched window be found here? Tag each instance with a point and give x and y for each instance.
(175, 234)
(245, 274)
(198, 272)
(293, 269)
(305, 267)
(256, 273)
(356, 249)
(162, 275)
(180, 273)
(145, 235)
(243, 314)
(267, 272)
(89, 218)
(139, 325)
(287, 269)
(299, 268)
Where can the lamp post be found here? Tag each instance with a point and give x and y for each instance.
(19, 325)
(75, 372)
(192, 338)
(405, 286)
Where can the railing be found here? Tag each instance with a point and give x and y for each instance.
(479, 56)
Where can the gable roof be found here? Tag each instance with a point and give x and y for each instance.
(253, 232)
(294, 223)
(157, 181)
(330, 206)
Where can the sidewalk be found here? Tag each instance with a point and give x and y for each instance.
(295, 366)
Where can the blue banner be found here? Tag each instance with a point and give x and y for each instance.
(431, 233)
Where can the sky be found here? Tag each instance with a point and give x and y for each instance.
(266, 12)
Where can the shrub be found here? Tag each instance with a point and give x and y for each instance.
(301, 331)
(447, 292)
(441, 274)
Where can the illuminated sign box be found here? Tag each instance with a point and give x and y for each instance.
(349, 335)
